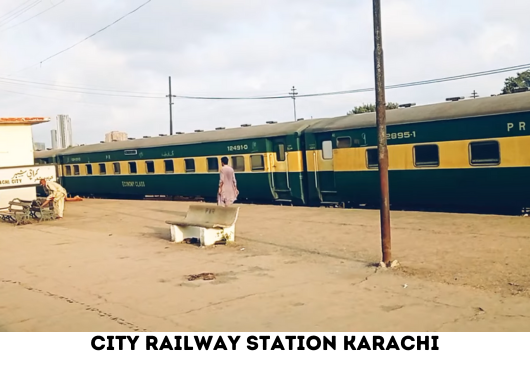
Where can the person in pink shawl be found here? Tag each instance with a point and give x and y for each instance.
(227, 185)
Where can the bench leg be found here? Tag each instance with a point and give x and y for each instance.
(230, 233)
(176, 234)
(206, 236)
(180, 233)
(209, 236)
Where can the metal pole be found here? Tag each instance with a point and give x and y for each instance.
(381, 134)
(170, 96)
(293, 94)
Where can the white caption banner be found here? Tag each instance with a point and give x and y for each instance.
(80, 356)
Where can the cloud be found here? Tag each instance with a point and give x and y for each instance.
(246, 48)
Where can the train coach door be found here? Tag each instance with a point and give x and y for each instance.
(280, 170)
(324, 170)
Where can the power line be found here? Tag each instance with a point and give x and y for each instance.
(22, 82)
(19, 13)
(132, 94)
(92, 35)
(31, 18)
(402, 85)
(28, 83)
(89, 92)
(15, 9)
(52, 98)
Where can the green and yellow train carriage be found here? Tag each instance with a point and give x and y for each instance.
(267, 159)
(47, 157)
(471, 154)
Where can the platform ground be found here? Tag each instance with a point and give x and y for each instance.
(109, 266)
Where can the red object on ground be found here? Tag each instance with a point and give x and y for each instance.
(77, 198)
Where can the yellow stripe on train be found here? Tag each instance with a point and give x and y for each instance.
(514, 152)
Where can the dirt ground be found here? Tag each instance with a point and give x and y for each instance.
(109, 266)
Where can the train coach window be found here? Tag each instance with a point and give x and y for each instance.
(117, 169)
(88, 169)
(280, 152)
(372, 159)
(102, 169)
(257, 162)
(238, 163)
(133, 168)
(149, 167)
(68, 170)
(343, 142)
(76, 169)
(190, 165)
(213, 164)
(170, 167)
(327, 150)
(426, 155)
(484, 153)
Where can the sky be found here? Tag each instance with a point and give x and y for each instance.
(240, 48)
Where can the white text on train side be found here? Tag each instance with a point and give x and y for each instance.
(237, 147)
(522, 126)
(400, 135)
(132, 184)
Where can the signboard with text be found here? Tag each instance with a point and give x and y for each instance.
(26, 175)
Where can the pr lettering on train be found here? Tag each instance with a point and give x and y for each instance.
(522, 126)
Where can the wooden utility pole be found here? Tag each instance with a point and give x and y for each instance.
(381, 135)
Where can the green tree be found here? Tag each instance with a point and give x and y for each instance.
(519, 81)
(371, 108)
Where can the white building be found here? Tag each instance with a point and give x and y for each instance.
(64, 131)
(39, 146)
(54, 138)
(115, 136)
(19, 176)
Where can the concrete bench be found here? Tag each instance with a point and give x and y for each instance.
(209, 224)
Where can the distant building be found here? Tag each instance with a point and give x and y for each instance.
(115, 136)
(39, 146)
(64, 131)
(54, 139)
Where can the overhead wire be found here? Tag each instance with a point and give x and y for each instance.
(83, 40)
(132, 94)
(15, 9)
(29, 83)
(13, 81)
(136, 94)
(93, 93)
(22, 82)
(53, 98)
(19, 13)
(390, 87)
(31, 18)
